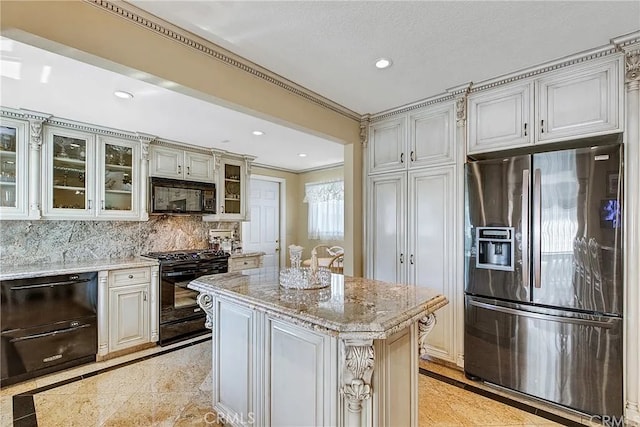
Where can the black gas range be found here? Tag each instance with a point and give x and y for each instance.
(180, 315)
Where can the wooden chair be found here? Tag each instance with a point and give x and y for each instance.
(336, 265)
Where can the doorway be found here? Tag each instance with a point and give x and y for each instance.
(262, 232)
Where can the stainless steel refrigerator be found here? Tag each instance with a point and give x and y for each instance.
(543, 276)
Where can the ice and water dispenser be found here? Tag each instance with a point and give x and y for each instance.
(494, 248)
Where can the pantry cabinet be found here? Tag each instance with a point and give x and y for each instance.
(86, 176)
(174, 163)
(578, 101)
(420, 138)
(14, 173)
(411, 238)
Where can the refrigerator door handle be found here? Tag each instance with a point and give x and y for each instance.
(551, 317)
(537, 223)
(525, 228)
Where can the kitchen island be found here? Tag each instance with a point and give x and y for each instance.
(346, 355)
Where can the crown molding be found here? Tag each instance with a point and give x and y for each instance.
(298, 172)
(190, 40)
(546, 67)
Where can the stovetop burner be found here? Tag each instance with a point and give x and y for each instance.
(188, 255)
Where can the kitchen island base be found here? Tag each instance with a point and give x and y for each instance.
(272, 369)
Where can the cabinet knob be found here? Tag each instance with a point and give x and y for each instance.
(542, 126)
(179, 169)
(245, 263)
(188, 170)
(89, 204)
(401, 157)
(411, 157)
(401, 258)
(131, 276)
(525, 129)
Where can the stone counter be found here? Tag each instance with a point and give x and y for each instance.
(49, 269)
(351, 306)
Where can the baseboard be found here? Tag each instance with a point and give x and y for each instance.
(122, 352)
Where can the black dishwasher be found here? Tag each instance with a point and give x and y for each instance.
(48, 324)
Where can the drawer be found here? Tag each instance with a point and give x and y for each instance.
(129, 276)
(242, 263)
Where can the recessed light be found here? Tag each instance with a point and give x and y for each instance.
(257, 132)
(123, 95)
(225, 141)
(302, 155)
(382, 63)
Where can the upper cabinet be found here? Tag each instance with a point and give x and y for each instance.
(174, 163)
(232, 187)
(423, 137)
(501, 118)
(87, 176)
(581, 101)
(578, 101)
(13, 168)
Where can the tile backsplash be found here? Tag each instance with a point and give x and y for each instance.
(32, 242)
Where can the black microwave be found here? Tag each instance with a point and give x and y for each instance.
(173, 196)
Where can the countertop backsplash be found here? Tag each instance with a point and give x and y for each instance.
(34, 242)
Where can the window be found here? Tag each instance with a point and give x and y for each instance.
(326, 210)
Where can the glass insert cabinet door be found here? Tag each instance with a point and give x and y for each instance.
(8, 166)
(117, 187)
(70, 173)
(14, 174)
(232, 188)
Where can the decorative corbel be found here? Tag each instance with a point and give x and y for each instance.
(425, 326)
(365, 120)
(632, 65)
(357, 369)
(206, 302)
(461, 107)
(247, 166)
(145, 140)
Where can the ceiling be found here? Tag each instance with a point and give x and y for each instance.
(327, 47)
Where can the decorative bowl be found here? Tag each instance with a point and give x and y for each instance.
(304, 278)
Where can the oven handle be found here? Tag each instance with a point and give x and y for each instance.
(46, 334)
(191, 272)
(49, 285)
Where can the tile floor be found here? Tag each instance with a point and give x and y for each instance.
(174, 389)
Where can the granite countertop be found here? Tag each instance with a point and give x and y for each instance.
(247, 254)
(352, 306)
(47, 269)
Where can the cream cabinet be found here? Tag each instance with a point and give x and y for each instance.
(501, 118)
(578, 101)
(14, 172)
(411, 229)
(419, 138)
(174, 163)
(87, 176)
(232, 185)
(131, 315)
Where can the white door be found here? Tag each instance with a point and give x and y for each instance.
(262, 233)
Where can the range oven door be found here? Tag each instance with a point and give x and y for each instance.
(177, 301)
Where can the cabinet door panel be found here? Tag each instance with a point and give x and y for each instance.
(234, 348)
(119, 178)
(432, 231)
(166, 162)
(387, 142)
(500, 119)
(432, 136)
(386, 228)
(14, 178)
(198, 167)
(302, 379)
(128, 316)
(69, 174)
(579, 102)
